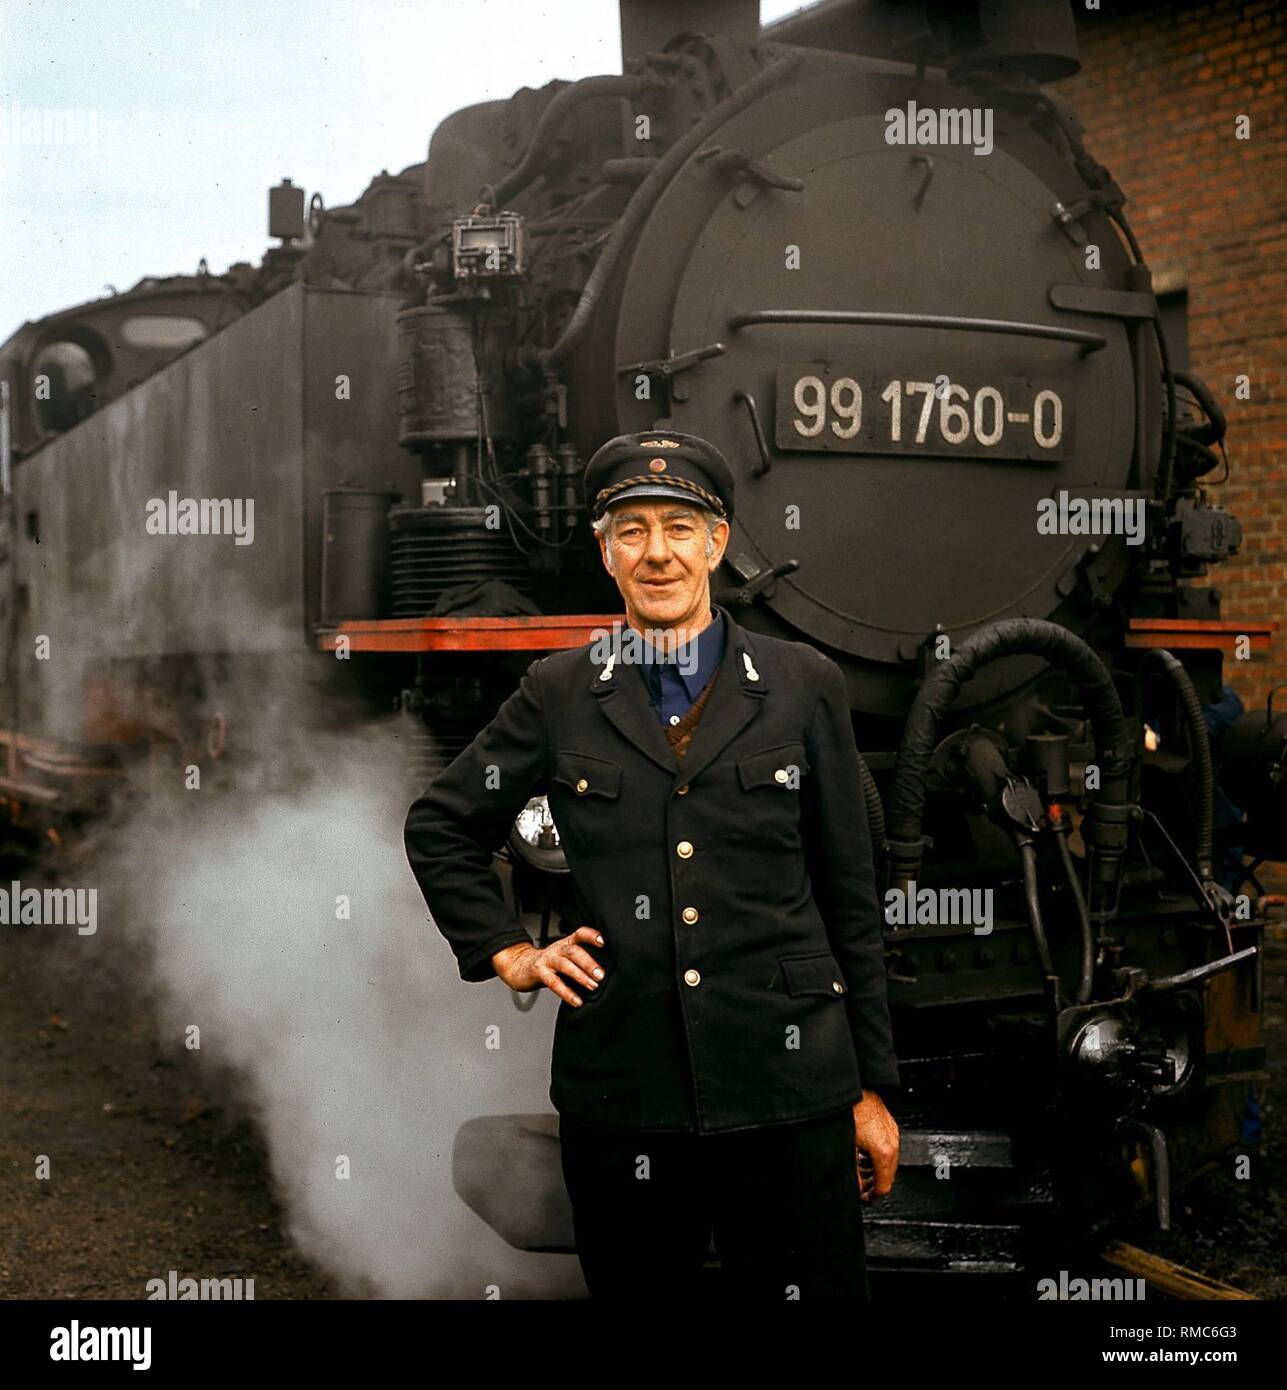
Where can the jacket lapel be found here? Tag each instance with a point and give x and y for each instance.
(734, 701)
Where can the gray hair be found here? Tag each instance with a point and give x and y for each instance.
(603, 528)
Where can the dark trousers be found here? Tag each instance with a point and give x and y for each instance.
(781, 1201)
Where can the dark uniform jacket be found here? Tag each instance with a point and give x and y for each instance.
(745, 980)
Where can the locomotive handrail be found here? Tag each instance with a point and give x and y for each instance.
(1088, 342)
(766, 460)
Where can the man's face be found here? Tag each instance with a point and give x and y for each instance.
(655, 549)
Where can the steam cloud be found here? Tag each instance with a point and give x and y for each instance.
(348, 1037)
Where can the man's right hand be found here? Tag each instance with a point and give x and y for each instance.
(526, 967)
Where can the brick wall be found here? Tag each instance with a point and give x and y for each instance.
(1159, 93)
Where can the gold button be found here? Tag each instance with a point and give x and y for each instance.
(837, 986)
(690, 915)
(683, 791)
(582, 784)
(691, 977)
(780, 775)
(684, 849)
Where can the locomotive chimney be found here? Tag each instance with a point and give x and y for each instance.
(648, 25)
(1034, 37)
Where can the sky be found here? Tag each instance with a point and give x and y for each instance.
(177, 116)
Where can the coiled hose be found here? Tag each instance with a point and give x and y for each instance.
(1012, 637)
(875, 813)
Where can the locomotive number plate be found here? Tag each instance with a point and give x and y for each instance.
(820, 406)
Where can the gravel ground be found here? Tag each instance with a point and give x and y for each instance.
(150, 1170)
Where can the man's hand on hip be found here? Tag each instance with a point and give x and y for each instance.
(876, 1142)
(526, 967)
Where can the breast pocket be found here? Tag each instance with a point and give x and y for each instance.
(782, 768)
(771, 782)
(585, 799)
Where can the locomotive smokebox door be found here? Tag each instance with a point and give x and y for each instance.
(887, 335)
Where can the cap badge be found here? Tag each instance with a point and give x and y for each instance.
(657, 465)
(660, 444)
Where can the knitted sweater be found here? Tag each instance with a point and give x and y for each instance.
(680, 735)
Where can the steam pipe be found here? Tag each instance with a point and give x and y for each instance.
(1086, 980)
(1192, 709)
(1028, 855)
(552, 118)
(988, 771)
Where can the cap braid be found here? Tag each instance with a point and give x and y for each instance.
(605, 495)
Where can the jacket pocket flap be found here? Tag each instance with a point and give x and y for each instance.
(586, 775)
(813, 975)
(783, 766)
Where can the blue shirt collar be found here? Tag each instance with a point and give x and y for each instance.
(709, 644)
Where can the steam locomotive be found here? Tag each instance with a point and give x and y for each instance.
(911, 347)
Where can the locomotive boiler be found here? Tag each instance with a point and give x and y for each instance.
(867, 254)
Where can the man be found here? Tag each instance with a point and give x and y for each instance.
(723, 1034)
